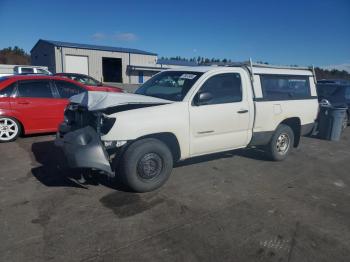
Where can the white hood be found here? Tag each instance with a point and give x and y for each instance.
(100, 100)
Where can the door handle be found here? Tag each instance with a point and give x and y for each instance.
(242, 111)
(23, 102)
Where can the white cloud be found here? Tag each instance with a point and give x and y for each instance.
(120, 37)
(98, 36)
(125, 37)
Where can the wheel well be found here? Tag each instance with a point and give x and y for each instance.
(295, 124)
(170, 140)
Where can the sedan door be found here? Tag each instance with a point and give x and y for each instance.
(65, 90)
(36, 104)
(219, 115)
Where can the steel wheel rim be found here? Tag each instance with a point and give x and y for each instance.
(345, 122)
(8, 129)
(149, 166)
(282, 143)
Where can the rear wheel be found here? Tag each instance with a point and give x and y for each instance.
(9, 129)
(281, 143)
(146, 165)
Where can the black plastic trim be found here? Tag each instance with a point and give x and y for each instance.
(264, 99)
(306, 129)
(261, 138)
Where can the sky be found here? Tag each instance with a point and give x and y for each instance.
(295, 32)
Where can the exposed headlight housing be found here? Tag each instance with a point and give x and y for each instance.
(105, 123)
(114, 144)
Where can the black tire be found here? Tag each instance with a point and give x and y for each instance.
(277, 149)
(12, 130)
(145, 165)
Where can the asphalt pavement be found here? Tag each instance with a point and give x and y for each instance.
(234, 206)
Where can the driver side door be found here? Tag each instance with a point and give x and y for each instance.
(222, 120)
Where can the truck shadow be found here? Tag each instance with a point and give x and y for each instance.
(54, 172)
(252, 153)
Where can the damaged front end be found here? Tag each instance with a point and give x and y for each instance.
(80, 138)
(86, 119)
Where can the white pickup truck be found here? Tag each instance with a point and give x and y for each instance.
(188, 112)
(8, 70)
(31, 70)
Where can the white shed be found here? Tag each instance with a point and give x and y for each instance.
(109, 64)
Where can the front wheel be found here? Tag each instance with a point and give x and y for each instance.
(146, 165)
(281, 143)
(9, 129)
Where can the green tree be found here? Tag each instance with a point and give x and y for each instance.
(14, 56)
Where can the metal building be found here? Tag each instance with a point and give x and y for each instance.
(108, 64)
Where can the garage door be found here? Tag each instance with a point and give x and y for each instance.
(77, 64)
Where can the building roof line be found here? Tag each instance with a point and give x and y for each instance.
(176, 62)
(95, 47)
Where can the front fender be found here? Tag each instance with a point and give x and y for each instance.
(170, 118)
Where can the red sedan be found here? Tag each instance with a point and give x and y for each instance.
(89, 81)
(35, 104)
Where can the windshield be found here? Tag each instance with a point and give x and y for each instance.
(333, 93)
(170, 85)
(86, 80)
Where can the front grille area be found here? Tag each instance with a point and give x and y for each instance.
(78, 117)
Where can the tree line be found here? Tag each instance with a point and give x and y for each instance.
(320, 72)
(14, 56)
(199, 59)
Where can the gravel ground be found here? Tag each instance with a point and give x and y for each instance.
(235, 206)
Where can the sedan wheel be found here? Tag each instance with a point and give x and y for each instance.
(9, 129)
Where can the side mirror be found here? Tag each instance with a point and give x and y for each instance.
(202, 98)
(325, 102)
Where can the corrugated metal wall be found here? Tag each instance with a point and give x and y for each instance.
(134, 76)
(43, 54)
(6, 69)
(95, 61)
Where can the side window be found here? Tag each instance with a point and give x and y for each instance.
(7, 91)
(41, 71)
(224, 88)
(275, 87)
(34, 88)
(27, 70)
(67, 89)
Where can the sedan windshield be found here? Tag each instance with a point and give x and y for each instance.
(333, 93)
(170, 85)
(86, 80)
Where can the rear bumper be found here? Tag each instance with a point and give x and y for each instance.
(83, 149)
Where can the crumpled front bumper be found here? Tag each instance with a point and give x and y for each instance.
(84, 149)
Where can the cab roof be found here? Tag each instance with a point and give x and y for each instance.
(256, 69)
